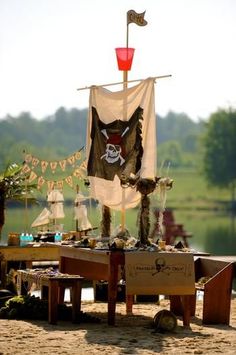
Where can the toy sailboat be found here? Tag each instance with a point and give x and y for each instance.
(48, 218)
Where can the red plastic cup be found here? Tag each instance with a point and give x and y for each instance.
(124, 58)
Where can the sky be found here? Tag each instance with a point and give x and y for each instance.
(49, 48)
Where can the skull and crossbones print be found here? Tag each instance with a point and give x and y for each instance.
(113, 152)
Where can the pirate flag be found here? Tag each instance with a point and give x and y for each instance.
(116, 147)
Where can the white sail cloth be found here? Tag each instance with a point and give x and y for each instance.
(55, 199)
(42, 219)
(55, 196)
(121, 105)
(81, 214)
(57, 210)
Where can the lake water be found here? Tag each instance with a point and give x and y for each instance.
(212, 231)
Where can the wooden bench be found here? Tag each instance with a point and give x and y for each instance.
(216, 285)
(55, 283)
(214, 278)
(172, 230)
(27, 255)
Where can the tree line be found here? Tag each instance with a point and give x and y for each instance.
(209, 146)
(64, 132)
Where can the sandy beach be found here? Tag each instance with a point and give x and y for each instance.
(131, 335)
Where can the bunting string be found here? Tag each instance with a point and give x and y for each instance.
(79, 173)
(31, 163)
(34, 162)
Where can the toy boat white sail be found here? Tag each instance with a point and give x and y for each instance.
(43, 219)
(55, 200)
(81, 213)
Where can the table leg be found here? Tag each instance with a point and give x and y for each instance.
(112, 289)
(176, 305)
(129, 304)
(3, 273)
(76, 300)
(29, 264)
(183, 306)
(186, 301)
(61, 294)
(52, 301)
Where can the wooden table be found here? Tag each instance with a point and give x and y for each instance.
(103, 265)
(29, 253)
(95, 265)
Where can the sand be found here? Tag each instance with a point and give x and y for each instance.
(131, 335)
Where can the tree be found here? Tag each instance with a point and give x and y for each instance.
(13, 186)
(176, 126)
(220, 150)
(170, 153)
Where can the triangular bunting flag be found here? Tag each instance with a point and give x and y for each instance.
(77, 173)
(32, 176)
(62, 164)
(44, 165)
(77, 155)
(41, 181)
(26, 169)
(69, 181)
(71, 160)
(53, 166)
(35, 162)
(50, 185)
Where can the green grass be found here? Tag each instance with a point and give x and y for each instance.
(191, 191)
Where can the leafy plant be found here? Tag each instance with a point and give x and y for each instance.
(24, 307)
(14, 187)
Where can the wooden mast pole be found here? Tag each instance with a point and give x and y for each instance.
(26, 219)
(76, 205)
(125, 86)
(26, 206)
